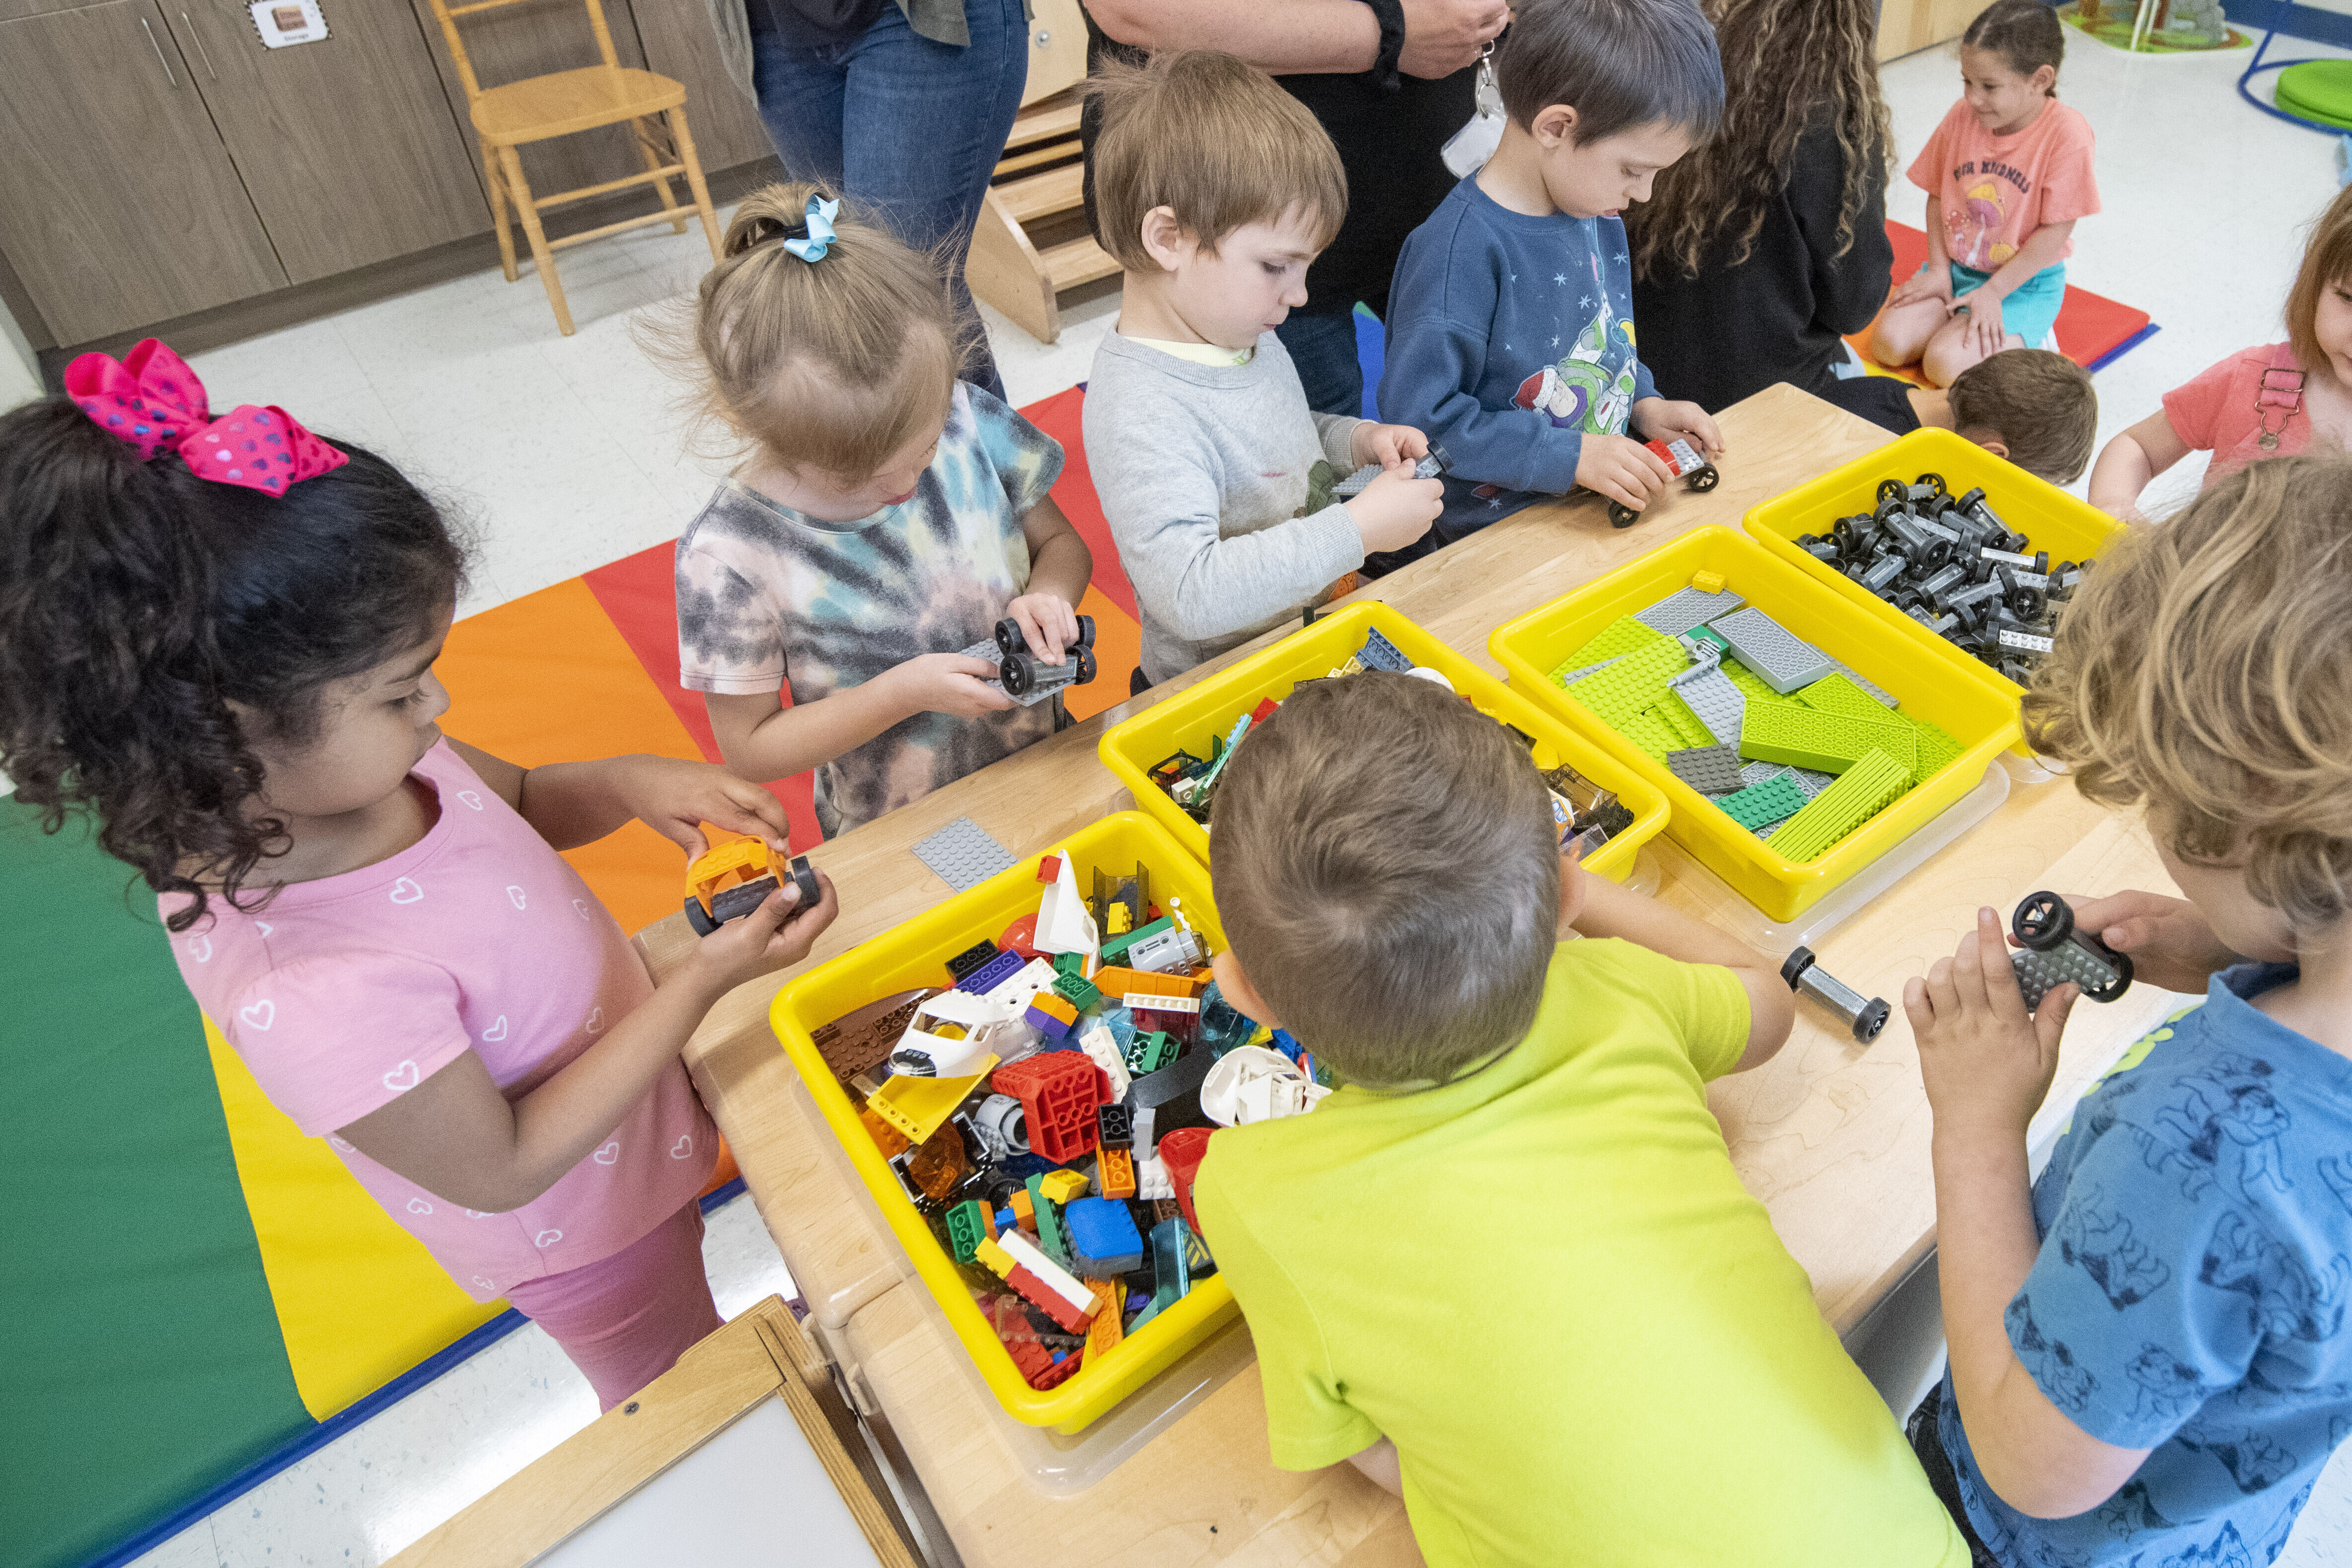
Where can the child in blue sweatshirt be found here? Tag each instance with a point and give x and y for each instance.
(1511, 320)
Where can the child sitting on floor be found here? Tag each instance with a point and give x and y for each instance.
(1510, 325)
(2007, 174)
(1508, 1270)
(888, 516)
(2149, 1363)
(1214, 189)
(2033, 407)
(2268, 402)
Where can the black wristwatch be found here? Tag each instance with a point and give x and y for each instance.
(1390, 13)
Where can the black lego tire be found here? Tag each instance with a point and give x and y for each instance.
(698, 917)
(1705, 478)
(1622, 516)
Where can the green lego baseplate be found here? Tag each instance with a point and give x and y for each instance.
(1762, 805)
(1634, 682)
(1836, 694)
(1861, 792)
(1651, 734)
(1624, 635)
(1937, 749)
(1830, 743)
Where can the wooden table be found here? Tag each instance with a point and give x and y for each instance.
(1833, 1136)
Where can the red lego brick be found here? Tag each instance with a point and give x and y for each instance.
(1263, 712)
(1049, 869)
(1047, 1300)
(1058, 1373)
(1058, 1092)
(1030, 1359)
(1181, 1153)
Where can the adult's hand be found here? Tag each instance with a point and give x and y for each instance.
(1440, 36)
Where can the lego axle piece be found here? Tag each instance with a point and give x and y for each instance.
(1684, 461)
(1864, 1016)
(2056, 951)
(1428, 468)
(1025, 678)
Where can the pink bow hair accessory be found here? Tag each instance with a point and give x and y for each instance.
(152, 399)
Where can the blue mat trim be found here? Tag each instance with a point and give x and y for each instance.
(2123, 348)
(2309, 23)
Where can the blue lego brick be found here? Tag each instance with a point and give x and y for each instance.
(1784, 660)
(992, 973)
(1104, 1241)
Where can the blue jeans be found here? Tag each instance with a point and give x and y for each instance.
(907, 127)
(1323, 347)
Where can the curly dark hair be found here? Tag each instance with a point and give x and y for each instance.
(137, 602)
(1789, 65)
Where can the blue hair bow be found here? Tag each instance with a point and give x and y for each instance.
(820, 231)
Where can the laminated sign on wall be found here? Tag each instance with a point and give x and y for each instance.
(284, 22)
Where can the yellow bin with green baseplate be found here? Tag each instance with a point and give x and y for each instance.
(916, 955)
(1927, 681)
(1204, 712)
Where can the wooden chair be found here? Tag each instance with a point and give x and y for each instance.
(559, 104)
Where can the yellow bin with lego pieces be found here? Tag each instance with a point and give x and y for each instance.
(1205, 711)
(2051, 520)
(1929, 685)
(916, 955)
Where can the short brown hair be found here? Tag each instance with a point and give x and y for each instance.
(2326, 261)
(2205, 669)
(833, 365)
(1387, 872)
(1212, 138)
(1619, 63)
(2039, 404)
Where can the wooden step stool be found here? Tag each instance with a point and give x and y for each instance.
(1031, 244)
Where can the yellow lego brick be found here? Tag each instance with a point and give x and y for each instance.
(1063, 1185)
(1105, 1331)
(915, 1105)
(996, 1258)
(1116, 1169)
(1859, 793)
(1707, 582)
(1634, 682)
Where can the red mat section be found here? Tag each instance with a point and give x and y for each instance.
(2092, 328)
(1060, 416)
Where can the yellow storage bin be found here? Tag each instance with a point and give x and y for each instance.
(1981, 717)
(2050, 518)
(1191, 718)
(916, 953)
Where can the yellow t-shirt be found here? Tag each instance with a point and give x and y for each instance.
(1545, 1284)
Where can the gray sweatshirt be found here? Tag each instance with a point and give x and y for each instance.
(1202, 471)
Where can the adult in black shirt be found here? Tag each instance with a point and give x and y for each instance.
(1763, 247)
(1391, 81)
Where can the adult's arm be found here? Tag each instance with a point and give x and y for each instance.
(1305, 37)
(1850, 285)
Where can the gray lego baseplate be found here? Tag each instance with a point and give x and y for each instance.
(962, 854)
(989, 650)
(1715, 700)
(1782, 659)
(1805, 779)
(1680, 611)
(2040, 973)
(1353, 485)
(1710, 770)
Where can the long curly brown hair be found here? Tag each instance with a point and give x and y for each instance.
(1783, 62)
(138, 602)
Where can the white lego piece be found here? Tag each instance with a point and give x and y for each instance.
(1148, 1002)
(988, 1026)
(1431, 674)
(1151, 1178)
(1065, 924)
(1102, 1049)
(1050, 1274)
(1251, 1083)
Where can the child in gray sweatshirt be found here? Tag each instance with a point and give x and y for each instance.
(1214, 190)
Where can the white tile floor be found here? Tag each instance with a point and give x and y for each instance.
(569, 452)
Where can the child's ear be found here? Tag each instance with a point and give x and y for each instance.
(1167, 241)
(1239, 993)
(2045, 80)
(1990, 440)
(1554, 125)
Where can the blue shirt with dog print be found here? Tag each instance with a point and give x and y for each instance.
(2196, 1225)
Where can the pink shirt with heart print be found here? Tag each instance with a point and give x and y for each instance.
(342, 994)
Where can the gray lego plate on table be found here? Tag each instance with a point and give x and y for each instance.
(962, 854)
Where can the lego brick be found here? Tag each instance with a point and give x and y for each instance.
(1877, 694)
(1805, 779)
(1101, 1047)
(1861, 792)
(1039, 1280)
(1830, 742)
(1167, 950)
(915, 1105)
(887, 1138)
(1080, 992)
(1379, 653)
(1023, 1209)
(1623, 635)
(1762, 805)
(860, 1041)
(937, 1166)
(1836, 694)
(1653, 735)
(969, 1224)
(1680, 611)
(975, 957)
(1707, 582)
(1114, 1125)
(1063, 1186)
(1114, 949)
(1148, 1053)
(962, 854)
(1115, 1173)
(1784, 660)
(1710, 770)
(1103, 1238)
(1634, 682)
(1056, 1007)
(1104, 1332)
(1715, 702)
(1937, 749)
(1170, 1271)
(1049, 1222)
(1058, 1092)
(1168, 1100)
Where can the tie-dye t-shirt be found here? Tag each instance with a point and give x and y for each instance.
(770, 598)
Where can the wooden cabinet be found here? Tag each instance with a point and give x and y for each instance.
(118, 202)
(347, 145)
(678, 44)
(1905, 26)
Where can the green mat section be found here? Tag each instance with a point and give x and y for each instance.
(142, 1364)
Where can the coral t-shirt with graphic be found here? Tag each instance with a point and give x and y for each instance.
(1996, 190)
(343, 993)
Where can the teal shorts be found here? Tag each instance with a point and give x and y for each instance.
(2030, 311)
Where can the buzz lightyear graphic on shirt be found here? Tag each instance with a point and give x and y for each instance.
(1591, 387)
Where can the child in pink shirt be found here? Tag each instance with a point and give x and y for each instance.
(217, 635)
(2268, 402)
(2007, 174)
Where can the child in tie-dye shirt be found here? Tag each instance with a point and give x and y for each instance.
(888, 516)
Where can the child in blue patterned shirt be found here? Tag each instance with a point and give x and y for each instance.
(2149, 1358)
(888, 516)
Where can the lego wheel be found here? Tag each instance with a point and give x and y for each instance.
(1009, 640)
(1870, 1020)
(1622, 516)
(1891, 490)
(1086, 669)
(2119, 985)
(1016, 674)
(1705, 478)
(1935, 482)
(2043, 921)
(699, 917)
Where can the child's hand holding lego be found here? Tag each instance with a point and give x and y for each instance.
(779, 932)
(675, 798)
(1927, 283)
(1622, 468)
(946, 683)
(1396, 509)
(1658, 419)
(1048, 624)
(2169, 941)
(1386, 445)
(1987, 1063)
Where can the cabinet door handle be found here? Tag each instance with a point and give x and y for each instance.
(159, 52)
(203, 53)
